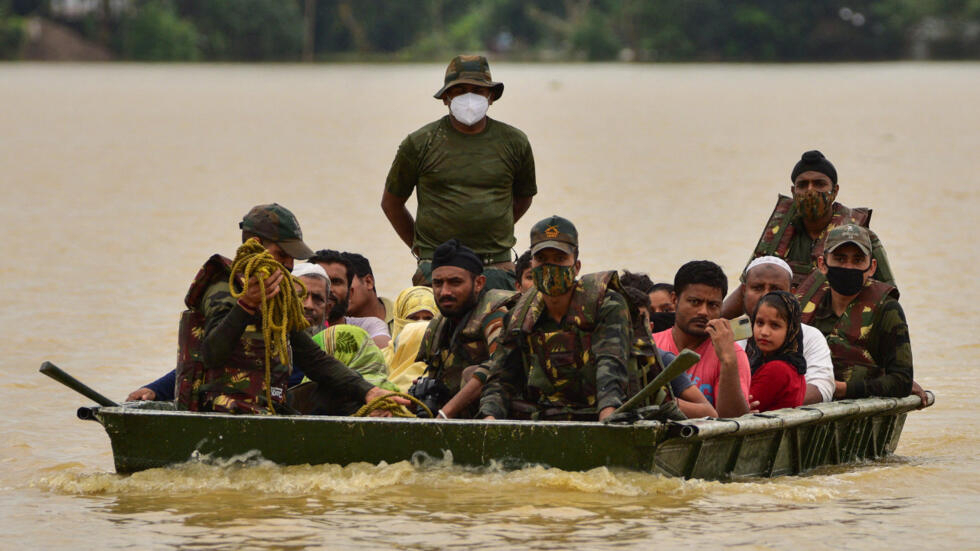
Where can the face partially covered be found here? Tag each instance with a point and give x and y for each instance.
(696, 305)
(661, 301)
(814, 194)
(278, 253)
(455, 290)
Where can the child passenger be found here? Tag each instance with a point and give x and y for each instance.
(776, 352)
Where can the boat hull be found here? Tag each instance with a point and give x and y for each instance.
(790, 441)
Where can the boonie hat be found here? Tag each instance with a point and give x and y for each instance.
(470, 69)
(275, 223)
(554, 232)
(815, 161)
(848, 233)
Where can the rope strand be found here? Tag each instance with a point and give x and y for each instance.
(281, 315)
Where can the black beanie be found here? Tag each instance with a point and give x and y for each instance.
(815, 161)
(454, 253)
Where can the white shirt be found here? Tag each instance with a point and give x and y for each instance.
(819, 367)
(375, 327)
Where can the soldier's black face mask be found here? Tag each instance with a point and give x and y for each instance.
(846, 281)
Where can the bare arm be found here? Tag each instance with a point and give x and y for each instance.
(468, 394)
(729, 399)
(693, 403)
(401, 220)
(521, 204)
(812, 396)
(733, 306)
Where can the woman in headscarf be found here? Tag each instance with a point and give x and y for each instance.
(355, 348)
(776, 352)
(413, 308)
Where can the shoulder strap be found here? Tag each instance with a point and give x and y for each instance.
(216, 268)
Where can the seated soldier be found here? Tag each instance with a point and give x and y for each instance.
(798, 226)
(566, 346)
(723, 373)
(464, 334)
(862, 320)
(221, 359)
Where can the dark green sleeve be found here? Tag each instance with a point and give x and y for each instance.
(525, 184)
(403, 174)
(884, 271)
(505, 368)
(327, 371)
(891, 350)
(224, 323)
(611, 343)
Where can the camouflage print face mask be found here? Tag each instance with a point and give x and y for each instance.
(813, 204)
(552, 279)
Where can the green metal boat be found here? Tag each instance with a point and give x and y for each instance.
(146, 435)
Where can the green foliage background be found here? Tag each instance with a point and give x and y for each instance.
(546, 30)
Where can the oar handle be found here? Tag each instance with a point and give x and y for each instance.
(57, 374)
(681, 363)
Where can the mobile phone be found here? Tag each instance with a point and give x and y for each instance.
(741, 327)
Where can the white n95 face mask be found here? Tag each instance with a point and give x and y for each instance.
(469, 108)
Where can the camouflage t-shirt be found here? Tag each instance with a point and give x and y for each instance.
(466, 184)
(887, 343)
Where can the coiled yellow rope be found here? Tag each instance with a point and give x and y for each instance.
(386, 404)
(280, 316)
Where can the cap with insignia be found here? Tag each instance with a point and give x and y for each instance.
(554, 232)
(275, 223)
(848, 233)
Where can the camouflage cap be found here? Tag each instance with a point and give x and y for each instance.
(848, 233)
(275, 223)
(554, 232)
(470, 69)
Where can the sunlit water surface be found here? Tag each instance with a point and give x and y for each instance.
(118, 182)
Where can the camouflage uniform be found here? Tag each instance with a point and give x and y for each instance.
(221, 352)
(786, 237)
(465, 183)
(449, 346)
(869, 342)
(571, 369)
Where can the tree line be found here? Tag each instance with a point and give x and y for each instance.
(525, 30)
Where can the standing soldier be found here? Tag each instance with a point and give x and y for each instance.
(474, 176)
(566, 344)
(797, 229)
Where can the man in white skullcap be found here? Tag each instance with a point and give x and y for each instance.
(771, 273)
(317, 290)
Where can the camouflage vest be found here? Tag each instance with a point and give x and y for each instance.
(239, 385)
(848, 341)
(468, 346)
(560, 368)
(779, 233)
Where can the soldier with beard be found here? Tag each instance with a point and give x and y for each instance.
(463, 335)
(797, 230)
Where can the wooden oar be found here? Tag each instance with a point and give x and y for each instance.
(57, 374)
(681, 363)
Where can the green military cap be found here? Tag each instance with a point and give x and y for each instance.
(275, 223)
(470, 69)
(848, 233)
(554, 232)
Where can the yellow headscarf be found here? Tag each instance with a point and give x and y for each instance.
(412, 301)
